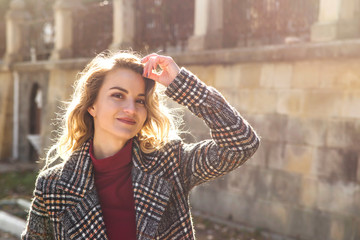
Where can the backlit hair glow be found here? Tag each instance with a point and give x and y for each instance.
(77, 124)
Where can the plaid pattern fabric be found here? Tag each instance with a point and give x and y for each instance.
(66, 205)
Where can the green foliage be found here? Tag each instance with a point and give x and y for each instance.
(17, 184)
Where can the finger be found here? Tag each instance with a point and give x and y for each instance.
(146, 67)
(153, 63)
(159, 59)
(154, 76)
(149, 73)
(146, 58)
(164, 61)
(149, 66)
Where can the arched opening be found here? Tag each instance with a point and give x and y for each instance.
(35, 122)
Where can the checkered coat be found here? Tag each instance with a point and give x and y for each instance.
(66, 205)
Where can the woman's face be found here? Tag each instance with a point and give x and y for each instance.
(119, 110)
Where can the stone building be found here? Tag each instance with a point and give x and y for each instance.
(292, 69)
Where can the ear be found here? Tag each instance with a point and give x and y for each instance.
(91, 110)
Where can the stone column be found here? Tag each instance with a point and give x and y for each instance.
(123, 24)
(208, 25)
(338, 19)
(63, 29)
(14, 32)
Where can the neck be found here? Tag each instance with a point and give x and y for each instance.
(104, 149)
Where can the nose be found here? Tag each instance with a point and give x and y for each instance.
(129, 107)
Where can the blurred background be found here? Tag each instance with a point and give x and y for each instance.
(292, 69)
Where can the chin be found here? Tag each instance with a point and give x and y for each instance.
(124, 136)
(124, 133)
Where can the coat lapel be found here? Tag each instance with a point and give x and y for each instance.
(82, 218)
(151, 194)
(77, 176)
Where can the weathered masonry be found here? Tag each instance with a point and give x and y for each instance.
(297, 82)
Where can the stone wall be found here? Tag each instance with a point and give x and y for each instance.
(6, 113)
(27, 80)
(55, 79)
(304, 180)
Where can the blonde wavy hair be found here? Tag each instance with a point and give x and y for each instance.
(77, 124)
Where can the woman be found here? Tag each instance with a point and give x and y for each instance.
(125, 176)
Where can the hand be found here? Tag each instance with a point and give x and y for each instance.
(169, 69)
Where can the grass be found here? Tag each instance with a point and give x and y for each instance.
(17, 184)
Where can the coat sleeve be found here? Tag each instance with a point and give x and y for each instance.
(233, 140)
(38, 224)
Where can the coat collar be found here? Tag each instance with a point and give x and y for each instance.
(77, 176)
(151, 192)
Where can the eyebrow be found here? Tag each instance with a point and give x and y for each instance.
(126, 91)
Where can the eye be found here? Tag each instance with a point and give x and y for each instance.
(141, 101)
(118, 95)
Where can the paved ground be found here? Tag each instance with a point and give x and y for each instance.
(7, 236)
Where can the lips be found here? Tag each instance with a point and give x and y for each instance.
(129, 121)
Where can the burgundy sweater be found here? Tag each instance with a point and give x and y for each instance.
(114, 187)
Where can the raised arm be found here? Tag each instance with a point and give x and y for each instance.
(233, 140)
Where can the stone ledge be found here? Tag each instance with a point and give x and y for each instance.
(291, 52)
(64, 64)
(11, 224)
